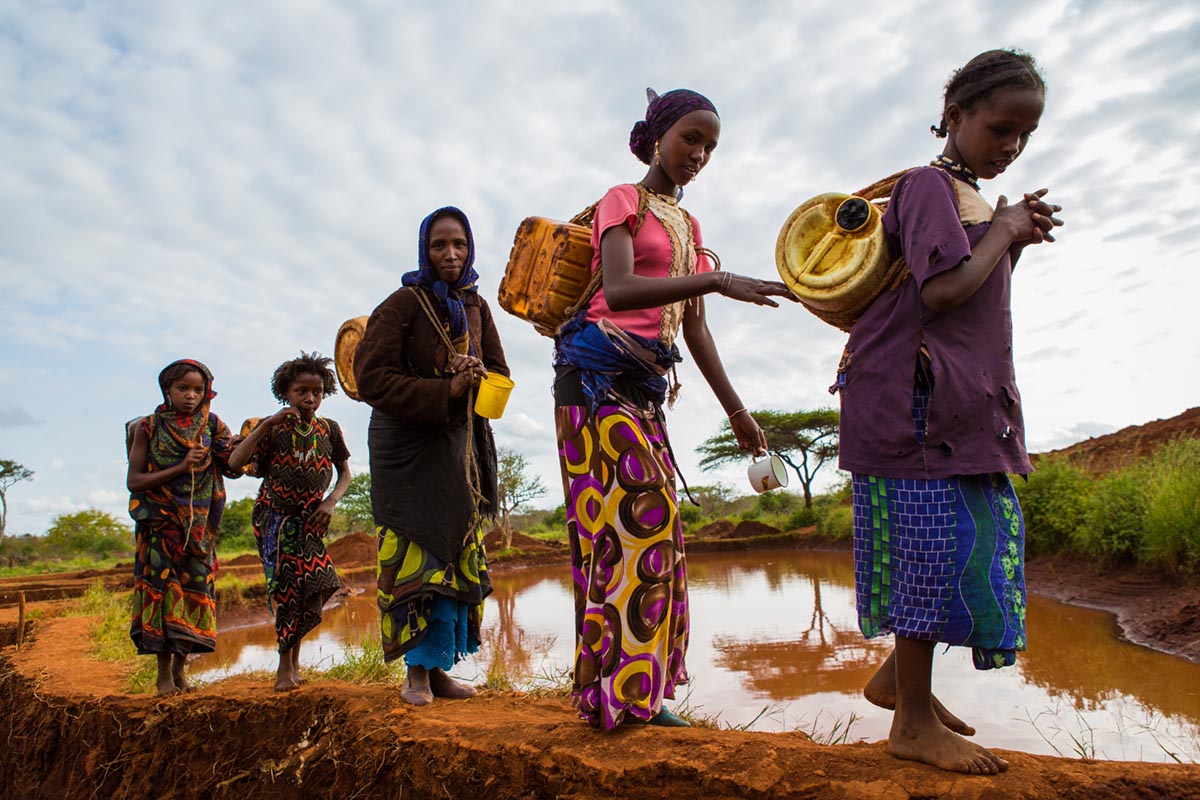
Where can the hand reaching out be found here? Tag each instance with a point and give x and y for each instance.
(752, 290)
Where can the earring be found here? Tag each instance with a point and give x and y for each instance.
(656, 157)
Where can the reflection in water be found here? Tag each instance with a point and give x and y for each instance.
(777, 631)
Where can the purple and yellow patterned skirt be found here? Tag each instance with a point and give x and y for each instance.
(627, 563)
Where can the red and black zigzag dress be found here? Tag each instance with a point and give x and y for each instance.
(296, 461)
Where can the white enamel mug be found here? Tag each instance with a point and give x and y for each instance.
(766, 474)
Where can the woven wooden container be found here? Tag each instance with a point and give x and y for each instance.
(548, 272)
(833, 255)
(348, 337)
(248, 426)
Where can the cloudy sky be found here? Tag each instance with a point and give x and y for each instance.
(230, 182)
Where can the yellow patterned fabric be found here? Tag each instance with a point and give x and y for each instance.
(410, 577)
(628, 568)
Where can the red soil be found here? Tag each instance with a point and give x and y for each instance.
(71, 732)
(1112, 451)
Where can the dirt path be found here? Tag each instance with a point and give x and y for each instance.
(70, 734)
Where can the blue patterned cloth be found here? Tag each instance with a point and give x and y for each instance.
(942, 560)
(601, 360)
(446, 640)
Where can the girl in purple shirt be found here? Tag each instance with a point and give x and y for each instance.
(931, 416)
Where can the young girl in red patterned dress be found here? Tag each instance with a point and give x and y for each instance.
(177, 457)
(295, 452)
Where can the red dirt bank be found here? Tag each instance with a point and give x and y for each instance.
(70, 732)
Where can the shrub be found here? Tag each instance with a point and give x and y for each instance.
(1112, 525)
(1172, 521)
(89, 532)
(690, 514)
(775, 502)
(801, 519)
(1053, 503)
(838, 523)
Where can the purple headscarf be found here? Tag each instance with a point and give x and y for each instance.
(663, 112)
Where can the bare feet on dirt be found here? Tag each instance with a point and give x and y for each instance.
(935, 744)
(178, 662)
(415, 690)
(881, 691)
(286, 677)
(296, 676)
(443, 685)
(165, 684)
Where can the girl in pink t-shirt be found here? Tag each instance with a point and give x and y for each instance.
(611, 362)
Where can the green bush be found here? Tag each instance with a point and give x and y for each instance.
(801, 519)
(236, 534)
(89, 532)
(690, 514)
(1053, 503)
(776, 502)
(1112, 526)
(838, 523)
(1171, 536)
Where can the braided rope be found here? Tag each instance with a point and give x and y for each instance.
(473, 476)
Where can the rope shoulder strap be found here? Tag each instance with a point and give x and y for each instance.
(587, 219)
(473, 476)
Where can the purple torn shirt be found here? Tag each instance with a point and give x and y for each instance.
(974, 414)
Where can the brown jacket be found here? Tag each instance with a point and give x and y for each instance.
(401, 359)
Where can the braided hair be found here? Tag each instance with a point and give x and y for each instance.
(307, 363)
(983, 75)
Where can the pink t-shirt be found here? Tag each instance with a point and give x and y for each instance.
(651, 258)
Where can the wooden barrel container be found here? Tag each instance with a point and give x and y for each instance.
(548, 272)
(833, 254)
(248, 426)
(348, 337)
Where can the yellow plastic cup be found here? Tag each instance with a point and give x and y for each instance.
(492, 395)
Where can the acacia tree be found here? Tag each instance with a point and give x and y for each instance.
(11, 473)
(516, 487)
(805, 440)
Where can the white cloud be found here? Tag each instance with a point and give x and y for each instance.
(231, 184)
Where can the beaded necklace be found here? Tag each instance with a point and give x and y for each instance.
(306, 448)
(943, 161)
(668, 198)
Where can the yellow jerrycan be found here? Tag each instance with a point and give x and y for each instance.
(549, 272)
(833, 254)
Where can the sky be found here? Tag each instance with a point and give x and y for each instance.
(230, 182)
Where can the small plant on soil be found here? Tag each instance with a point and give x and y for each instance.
(364, 664)
(838, 731)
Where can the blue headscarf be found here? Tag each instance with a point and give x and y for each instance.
(448, 297)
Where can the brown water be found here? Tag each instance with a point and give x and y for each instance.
(775, 642)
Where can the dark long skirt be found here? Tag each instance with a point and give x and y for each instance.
(174, 610)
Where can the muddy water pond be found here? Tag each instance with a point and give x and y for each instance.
(775, 646)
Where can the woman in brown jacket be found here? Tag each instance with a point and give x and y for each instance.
(433, 460)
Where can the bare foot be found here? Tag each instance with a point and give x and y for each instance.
(881, 691)
(443, 685)
(165, 686)
(935, 744)
(285, 678)
(285, 683)
(415, 690)
(300, 681)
